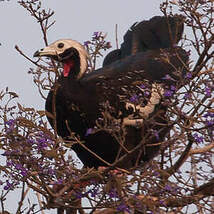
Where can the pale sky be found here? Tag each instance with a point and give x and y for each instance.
(74, 19)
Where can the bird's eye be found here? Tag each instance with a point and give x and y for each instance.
(60, 45)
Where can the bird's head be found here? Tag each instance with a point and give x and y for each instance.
(70, 53)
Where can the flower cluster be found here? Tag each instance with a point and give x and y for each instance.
(95, 48)
(8, 185)
(209, 122)
(134, 98)
(122, 207)
(10, 125)
(27, 154)
(169, 91)
(98, 41)
(98, 38)
(198, 138)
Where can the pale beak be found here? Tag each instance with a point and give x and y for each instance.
(47, 51)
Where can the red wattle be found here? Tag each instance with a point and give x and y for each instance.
(67, 67)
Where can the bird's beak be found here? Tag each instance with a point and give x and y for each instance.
(37, 54)
(47, 51)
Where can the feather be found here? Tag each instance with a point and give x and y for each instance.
(117, 108)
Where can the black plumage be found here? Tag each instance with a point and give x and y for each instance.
(156, 33)
(83, 101)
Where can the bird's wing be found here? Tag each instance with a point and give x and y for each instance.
(152, 65)
(129, 80)
(158, 32)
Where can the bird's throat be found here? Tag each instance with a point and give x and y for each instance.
(67, 67)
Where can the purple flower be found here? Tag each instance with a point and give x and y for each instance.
(7, 153)
(188, 75)
(187, 95)
(89, 131)
(210, 123)
(156, 134)
(60, 181)
(198, 139)
(93, 192)
(142, 86)
(168, 93)
(9, 163)
(123, 208)
(113, 193)
(208, 91)
(49, 171)
(10, 125)
(31, 141)
(209, 114)
(18, 166)
(96, 35)
(168, 188)
(10, 122)
(156, 174)
(162, 202)
(134, 98)
(86, 43)
(24, 172)
(42, 143)
(172, 87)
(78, 195)
(8, 185)
(210, 131)
(168, 77)
(146, 93)
(43, 135)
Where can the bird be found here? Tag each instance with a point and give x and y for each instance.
(122, 96)
(155, 33)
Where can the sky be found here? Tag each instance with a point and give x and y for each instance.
(74, 19)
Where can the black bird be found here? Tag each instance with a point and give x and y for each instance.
(158, 32)
(112, 97)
